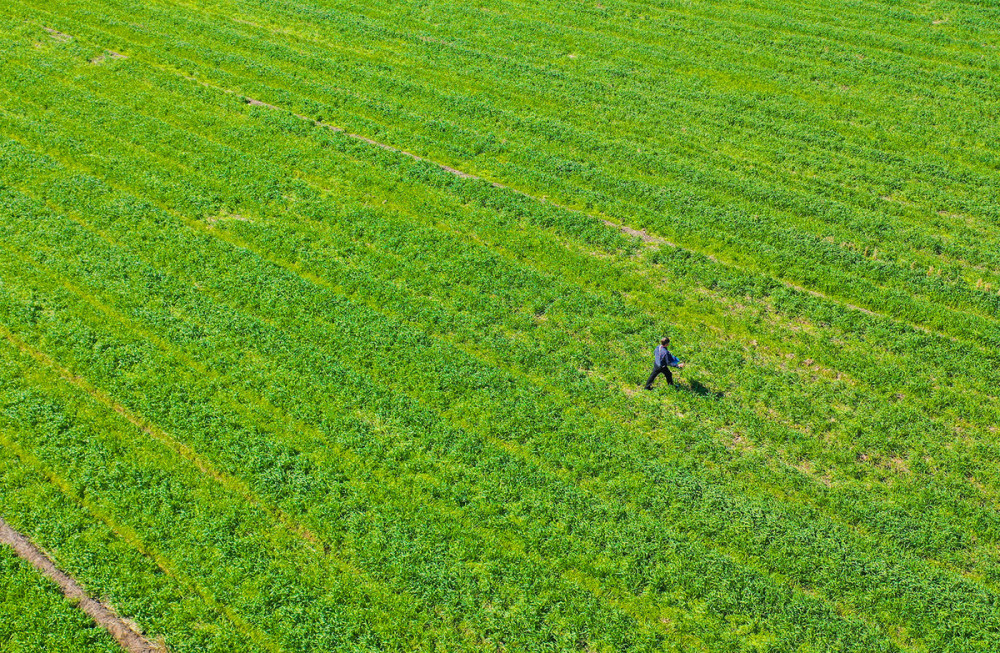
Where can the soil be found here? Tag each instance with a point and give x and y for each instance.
(124, 633)
(641, 234)
(109, 54)
(57, 35)
(215, 219)
(816, 293)
(257, 103)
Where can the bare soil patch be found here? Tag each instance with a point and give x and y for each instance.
(224, 216)
(109, 54)
(257, 103)
(62, 37)
(125, 633)
(641, 234)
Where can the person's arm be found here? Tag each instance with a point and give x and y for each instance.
(673, 361)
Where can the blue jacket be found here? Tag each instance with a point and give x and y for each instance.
(663, 358)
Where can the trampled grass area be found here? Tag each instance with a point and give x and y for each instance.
(265, 385)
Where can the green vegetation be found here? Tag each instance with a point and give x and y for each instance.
(267, 386)
(35, 618)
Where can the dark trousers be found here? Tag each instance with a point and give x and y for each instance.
(656, 372)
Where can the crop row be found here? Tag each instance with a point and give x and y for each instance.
(35, 617)
(286, 238)
(285, 308)
(772, 229)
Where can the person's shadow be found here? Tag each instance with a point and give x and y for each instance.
(698, 388)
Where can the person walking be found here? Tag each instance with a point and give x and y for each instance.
(663, 360)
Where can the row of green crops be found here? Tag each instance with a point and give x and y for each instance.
(192, 413)
(390, 408)
(219, 545)
(35, 617)
(747, 215)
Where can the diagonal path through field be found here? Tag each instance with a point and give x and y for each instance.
(122, 631)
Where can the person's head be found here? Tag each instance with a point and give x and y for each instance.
(664, 341)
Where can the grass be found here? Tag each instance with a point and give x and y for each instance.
(365, 404)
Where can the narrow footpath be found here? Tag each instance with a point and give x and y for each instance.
(124, 634)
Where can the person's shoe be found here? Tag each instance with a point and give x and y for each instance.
(648, 387)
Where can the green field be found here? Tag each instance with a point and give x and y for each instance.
(34, 616)
(268, 386)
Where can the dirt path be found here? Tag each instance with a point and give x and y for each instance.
(121, 630)
(62, 37)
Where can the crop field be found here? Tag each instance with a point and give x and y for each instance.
(323, 324)
(35, 617)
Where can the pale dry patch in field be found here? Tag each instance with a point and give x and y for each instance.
(284, 31)
(257, 103)
(979, 485)
(808, 469)
(898, 465)
(62, 37)
(736, 442)
(782, 420)
(888, 463)
(897, 200)
(225, 216)
(966, 219)
(108, 55)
